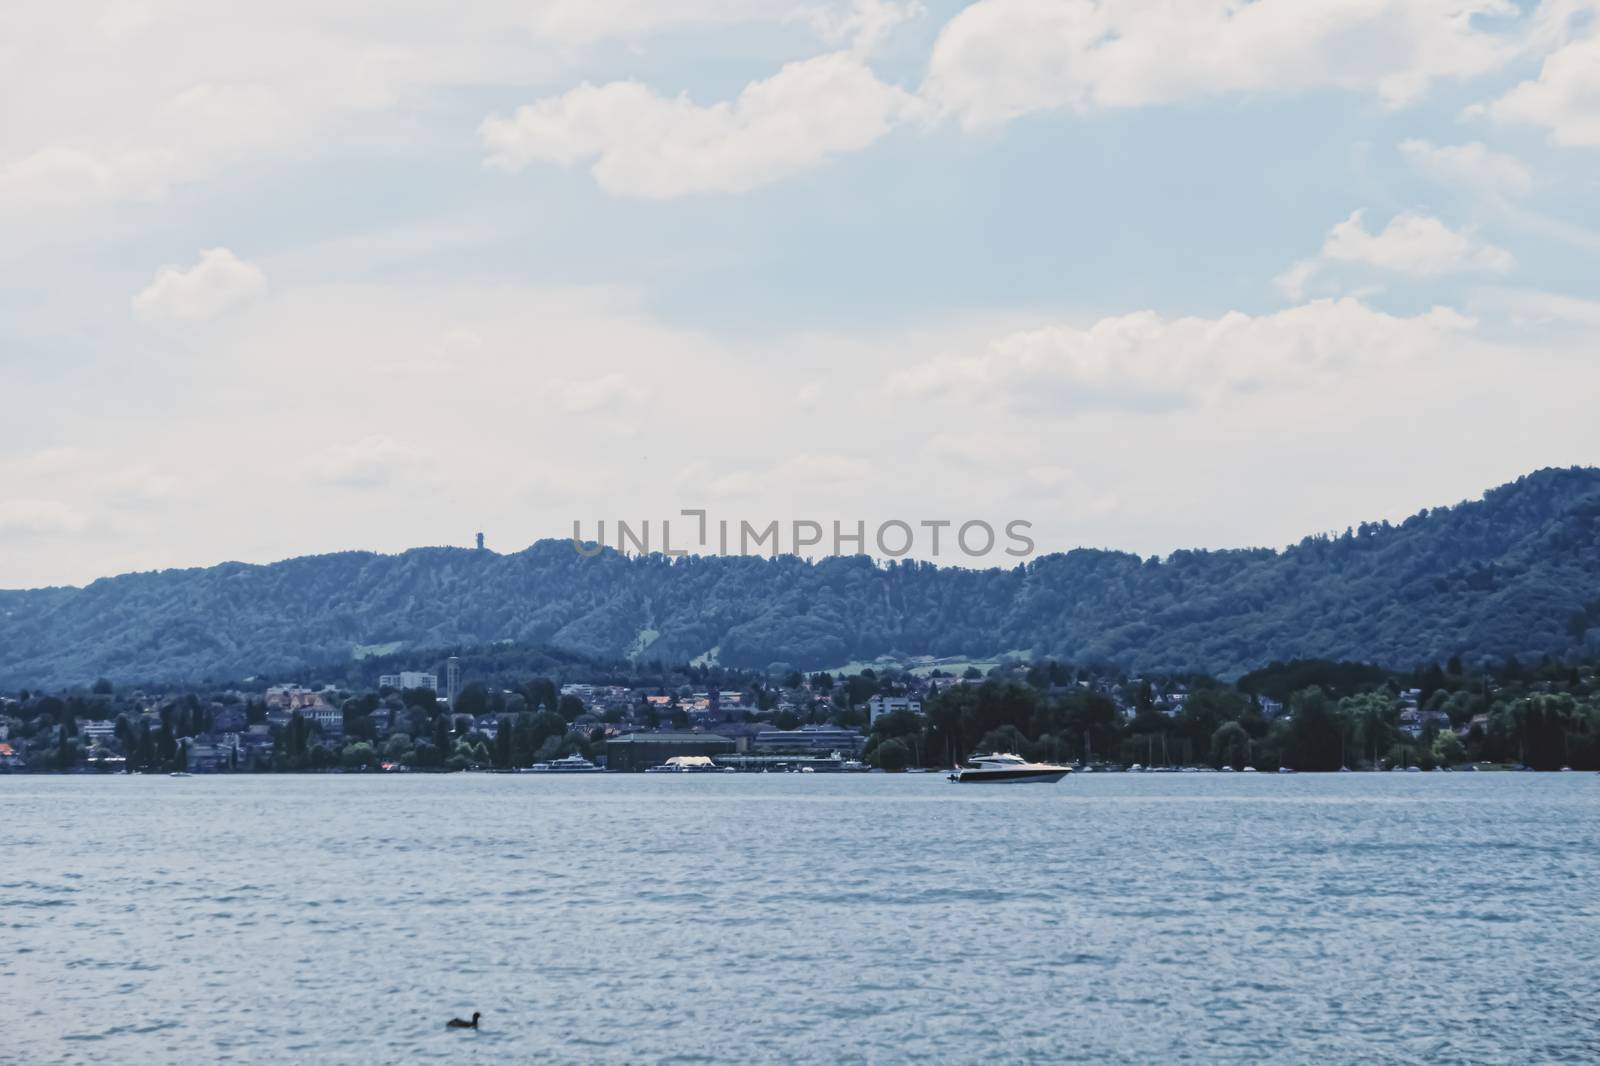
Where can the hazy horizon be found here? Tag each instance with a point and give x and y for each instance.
(994, 560)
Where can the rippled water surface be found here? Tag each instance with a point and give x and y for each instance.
(804, 918)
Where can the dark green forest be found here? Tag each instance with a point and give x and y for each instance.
(1517, 572)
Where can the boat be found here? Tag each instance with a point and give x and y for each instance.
(1248, 770)
(572, 764)
(1000, 768)
(687, 764)
(180, 773)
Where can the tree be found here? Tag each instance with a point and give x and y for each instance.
(1317, 742)
(1448, 749)
(523, 740)
(166, 744)
(357, 756)
(892, 755)
(472, 700)
(1373, 716)
(1006, 739)
(1230, 746)
(502, 744)
(103, 687)
(66, 753)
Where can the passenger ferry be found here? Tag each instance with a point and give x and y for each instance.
(1008, 769)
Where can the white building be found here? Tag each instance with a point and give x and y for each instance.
(881, 705)
(409, 679)
(328, 719)
(98, 730)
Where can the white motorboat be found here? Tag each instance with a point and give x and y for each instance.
(1000, 768)
(572, 764)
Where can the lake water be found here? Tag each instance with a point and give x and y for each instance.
(801, 918)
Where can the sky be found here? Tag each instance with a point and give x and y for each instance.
(299, 277)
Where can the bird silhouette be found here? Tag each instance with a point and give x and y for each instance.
(457, 1023)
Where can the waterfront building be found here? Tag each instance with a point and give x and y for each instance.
(633, 752)
(97, 731)
(811, 738)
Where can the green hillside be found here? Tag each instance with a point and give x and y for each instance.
(1518, 571)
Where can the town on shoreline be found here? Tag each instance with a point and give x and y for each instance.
(890, 716)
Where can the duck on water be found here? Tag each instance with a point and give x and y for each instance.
(457, 1023)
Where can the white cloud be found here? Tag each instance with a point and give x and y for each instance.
(863, 24)
(44, 464)
(39, 518)
(1142, 361)
(647, 145)
(999, 59)
(1564, 99)
(1413, 244)
(61, 176)
(1293, 282)
(1470, 164)
(592, 394)
(578, 22)
(1533, 309)
(142, 487)
(112, 103)
(369, 463)
(980, 448)
(220, 282)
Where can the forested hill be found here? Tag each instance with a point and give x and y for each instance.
(1518, 571)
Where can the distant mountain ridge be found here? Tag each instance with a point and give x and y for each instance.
(1516, 572)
